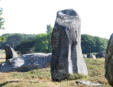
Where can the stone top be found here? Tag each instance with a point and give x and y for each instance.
(67, 14)
(67, 18)
(111, 35)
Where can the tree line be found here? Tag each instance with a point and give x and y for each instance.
(92, 44)
(42, 42)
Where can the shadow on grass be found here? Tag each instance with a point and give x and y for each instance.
(5, 83)
(17, 81)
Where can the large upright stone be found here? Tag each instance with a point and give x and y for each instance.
(109, 61)
(10, 52)
(66, 46)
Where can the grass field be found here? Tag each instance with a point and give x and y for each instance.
(42, 77)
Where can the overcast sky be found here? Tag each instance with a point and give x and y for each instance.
(32, 16)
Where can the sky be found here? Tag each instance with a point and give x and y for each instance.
(32, 16)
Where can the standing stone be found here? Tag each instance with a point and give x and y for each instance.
(67, 56)
(109, 61)
(10, 52)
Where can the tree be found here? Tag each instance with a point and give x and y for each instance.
(15, 39)
(26, 46)
(93, 44)
(49, 29)
(101, 44)
(1, 19)
(43, 41)
(2, 39)
(41, 44)
(88, 44)
(49, 32)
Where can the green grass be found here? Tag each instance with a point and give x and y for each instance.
(76, 76)
(34, 74)
(42, 77)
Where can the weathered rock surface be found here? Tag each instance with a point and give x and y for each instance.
(26, 62)
(67, 56)
(89, 83)
(109, 61)
(10, 52)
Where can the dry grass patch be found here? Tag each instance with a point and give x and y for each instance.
(2, 56)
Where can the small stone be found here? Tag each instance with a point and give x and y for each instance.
(89, 83)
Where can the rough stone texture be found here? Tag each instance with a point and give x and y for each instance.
(26, 62)
(109, 61)
(89, 83)
(10, 52)
(100, 54)
(67, 56)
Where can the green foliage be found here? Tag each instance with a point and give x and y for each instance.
(41, 43)
(49, 29)
(49, 33)
(1, 19)
(2, 39)
(15, 39)
(101, 44)
(26, 46)
(49, 42)
(88, 43)
(93, 44)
